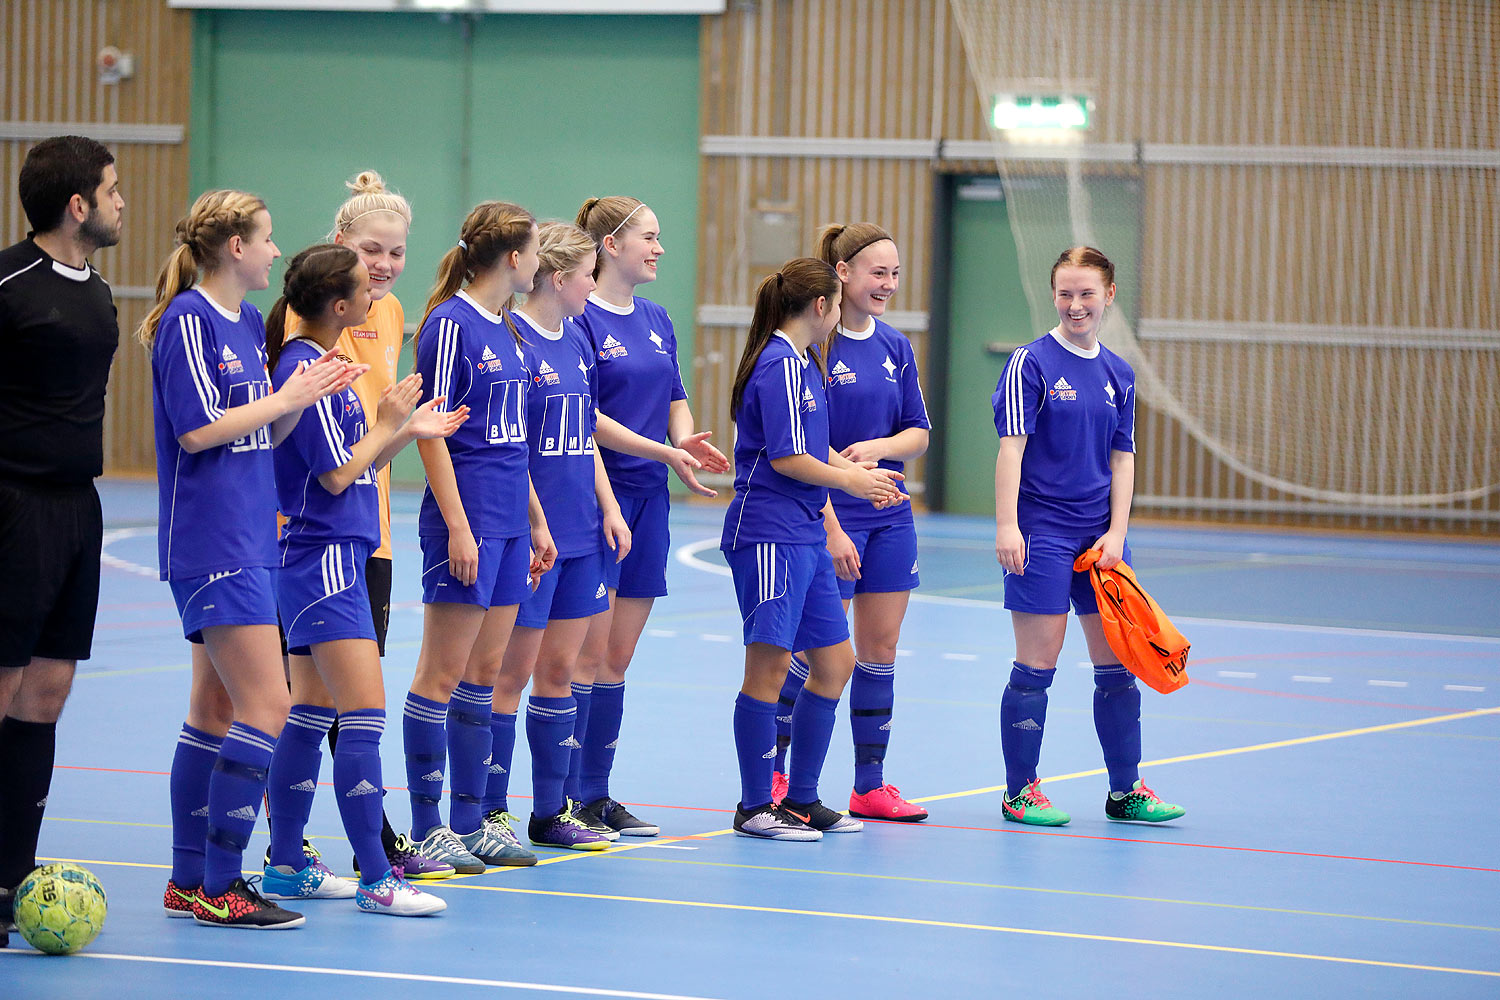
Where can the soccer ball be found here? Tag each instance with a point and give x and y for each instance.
(59, 908)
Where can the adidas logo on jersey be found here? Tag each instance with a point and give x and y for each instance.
(243, 812)
(1027, 724)
(808, 402)
(610, 341)
(229, 355)
(599, 593)
(488, 354)
(305, 785)
(840, 368)
(433, 776)
(571, 744)
(545, 368)
(1063, 392)
(363, 788)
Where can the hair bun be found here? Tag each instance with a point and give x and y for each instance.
(367, 182)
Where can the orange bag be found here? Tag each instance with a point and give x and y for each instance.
(1137, 629)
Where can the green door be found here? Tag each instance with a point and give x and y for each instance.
(988, 314)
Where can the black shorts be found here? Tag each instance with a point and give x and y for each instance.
(49, 571)
(378, 581)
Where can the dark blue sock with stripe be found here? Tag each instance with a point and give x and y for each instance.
(606, 709)
(357, 784)
(234, 792)
(424, 728)
(812, 728)
(192, 765)
(293, 781)
(755, 746)
(872, 695)
(1117, 720)
(469, 748)
(502, 749)
(549, 731)
(583, 697)
(796, 676)
(1023, 719)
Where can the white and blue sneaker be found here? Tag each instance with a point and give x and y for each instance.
(315, 881)
(396, 897)
(441, 844)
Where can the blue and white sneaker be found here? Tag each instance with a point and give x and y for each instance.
(441, 844)
(503, 825)
(396, 897)
(489, 845)
(315, 881)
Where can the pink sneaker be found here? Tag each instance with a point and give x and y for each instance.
(885, 802)
(779, 785)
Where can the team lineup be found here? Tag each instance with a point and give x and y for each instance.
(547, 407)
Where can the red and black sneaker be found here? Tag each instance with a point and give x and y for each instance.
(177, 901)
(241, 906)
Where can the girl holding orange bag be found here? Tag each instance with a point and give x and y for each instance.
(1064, 478)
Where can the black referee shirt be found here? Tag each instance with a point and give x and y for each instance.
(58, 334)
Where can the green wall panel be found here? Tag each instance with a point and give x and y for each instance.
(290, 105)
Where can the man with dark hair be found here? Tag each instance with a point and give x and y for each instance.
(58, 334)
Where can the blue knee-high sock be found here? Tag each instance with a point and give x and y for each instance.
(293, 780)
(469, 749)
(796, 676)
(357, 783)
(234, 791)
(1023, 718)
(424, 732)
(192, 765)
(583, 697)
(812, 728)
(502, 749)
(755, 745)
(872, 696)
(1117, 720)
(549, 731)
(601, 738)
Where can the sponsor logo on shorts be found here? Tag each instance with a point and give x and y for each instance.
(599, 593)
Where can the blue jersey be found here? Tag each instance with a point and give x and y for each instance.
(468, 355)
(321, 442)
(1075, 408)
(560, 415)
(784, 412)
(872, 393)
(217, 508)
(636, 354)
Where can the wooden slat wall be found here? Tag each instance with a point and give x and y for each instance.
(49, 75)
(876, 69)
(1353, 247)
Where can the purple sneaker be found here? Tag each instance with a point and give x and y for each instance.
(409, 863)
(564, 830)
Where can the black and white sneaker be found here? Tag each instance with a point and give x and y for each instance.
(620, 819)
(592, 820)
(771, 822)
(818, 816)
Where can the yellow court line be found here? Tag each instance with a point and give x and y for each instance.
(993, 928)
(919, 880)
(1231, 751)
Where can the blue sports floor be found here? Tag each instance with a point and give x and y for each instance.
(1337, 752)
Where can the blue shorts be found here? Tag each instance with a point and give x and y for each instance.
(887, 560)
(644, 571)
(572, 588)
(1049, 581)
(322, 594)
(504, 573)
(236, 597)
(788, 594)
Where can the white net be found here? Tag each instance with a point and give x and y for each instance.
(1302, 201)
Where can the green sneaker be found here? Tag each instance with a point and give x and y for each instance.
(1031, 806)
(1140, 805)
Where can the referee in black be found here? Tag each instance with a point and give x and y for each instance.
(58, 334)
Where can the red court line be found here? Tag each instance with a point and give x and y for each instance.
(973, 829)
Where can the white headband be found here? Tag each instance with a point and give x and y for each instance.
(626, 219)
(372, 211)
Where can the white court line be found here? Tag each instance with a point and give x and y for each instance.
(1387, 684)
(411, 977)
(713, 637)
(662, 633)
(1248, 675)
(960, 656)
(124, 565)
(1462, 687)
(1305, 679)
(688, 556)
